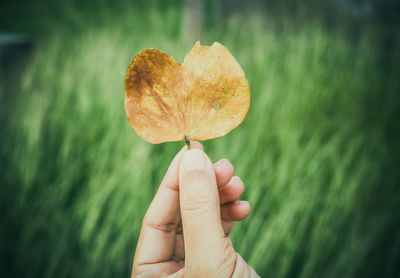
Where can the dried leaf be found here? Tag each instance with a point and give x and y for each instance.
(203, 98)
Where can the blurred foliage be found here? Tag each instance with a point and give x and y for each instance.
(318, 152)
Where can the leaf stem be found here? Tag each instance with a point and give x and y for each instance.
(187, 141)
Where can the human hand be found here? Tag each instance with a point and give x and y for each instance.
(185, 231)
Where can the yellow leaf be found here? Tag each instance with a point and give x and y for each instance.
(203, 98)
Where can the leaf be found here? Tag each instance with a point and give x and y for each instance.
(203, 98)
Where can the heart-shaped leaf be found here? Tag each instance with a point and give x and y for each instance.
(203, 98)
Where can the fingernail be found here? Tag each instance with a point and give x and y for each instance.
(224, 160)
(236, 179)
(193, 159)
(242, 203)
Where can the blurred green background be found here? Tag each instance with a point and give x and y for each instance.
(318, 152)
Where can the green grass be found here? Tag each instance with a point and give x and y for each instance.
(318, 151)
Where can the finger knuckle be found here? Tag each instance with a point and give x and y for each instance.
(163, 227)
(196, 203)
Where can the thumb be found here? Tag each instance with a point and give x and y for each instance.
(200, 210)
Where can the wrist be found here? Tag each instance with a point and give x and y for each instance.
(242, 269)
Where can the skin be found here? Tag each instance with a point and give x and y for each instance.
(185, 232)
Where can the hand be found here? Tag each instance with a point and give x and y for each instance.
(185, 231)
